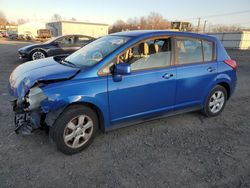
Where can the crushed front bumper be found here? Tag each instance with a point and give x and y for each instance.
(25, 121)
(23, 55)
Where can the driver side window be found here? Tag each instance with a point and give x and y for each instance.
(149, 54)
(66, 41)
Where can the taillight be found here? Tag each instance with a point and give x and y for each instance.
(231, 63)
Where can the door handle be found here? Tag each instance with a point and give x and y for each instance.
(167, 76)
(211, 69)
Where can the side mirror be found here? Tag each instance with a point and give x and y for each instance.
(121, 69)
(55, 43)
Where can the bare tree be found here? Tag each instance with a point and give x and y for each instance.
(156, 21)
(56, 17)
(133, 24)
(152, 21)
(21, 21)
(3, 20)
(119, 25)
(226, 28)
(143, 22)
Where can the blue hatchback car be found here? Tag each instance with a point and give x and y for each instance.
(119, 80)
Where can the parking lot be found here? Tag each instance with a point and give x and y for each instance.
(185, 150)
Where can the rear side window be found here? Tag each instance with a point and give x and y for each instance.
(81, 39)
(189, 51)
(194, 50)
(207, 50)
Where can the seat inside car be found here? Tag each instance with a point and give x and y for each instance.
(140, 60)
(153, 48)
(143, 49)
(166, 45)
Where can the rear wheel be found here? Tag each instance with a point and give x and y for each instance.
(37, 54)
(75, 129)
(215, 101)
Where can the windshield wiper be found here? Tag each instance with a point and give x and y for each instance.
(68, 62)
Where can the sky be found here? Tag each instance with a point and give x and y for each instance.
(108, 11)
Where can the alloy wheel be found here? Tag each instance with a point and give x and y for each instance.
(38, 55)
(78, 131)
(216, 102)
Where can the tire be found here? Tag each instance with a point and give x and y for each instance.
(37, 54)
(215, 102)
(75, 129)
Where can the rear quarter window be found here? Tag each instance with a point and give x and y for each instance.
(207, 50)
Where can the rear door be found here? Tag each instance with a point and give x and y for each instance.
(150, 88)
(196, 70)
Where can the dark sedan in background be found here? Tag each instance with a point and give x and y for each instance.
(62, 45)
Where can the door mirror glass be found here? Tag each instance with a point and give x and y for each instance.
(55, 43)
(122, 69)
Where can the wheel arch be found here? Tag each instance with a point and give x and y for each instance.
(227, 87)
(38, 49)
(225, 81)
(52, 116)
(222, 81)
(94, 107)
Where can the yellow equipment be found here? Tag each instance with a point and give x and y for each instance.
(181, 26)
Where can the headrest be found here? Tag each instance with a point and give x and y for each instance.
(128, 54)
(166, 46)
(143, 49)
(153, 48)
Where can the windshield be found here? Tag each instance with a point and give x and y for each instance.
(95, 51)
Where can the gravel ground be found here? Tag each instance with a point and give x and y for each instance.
(186, 150)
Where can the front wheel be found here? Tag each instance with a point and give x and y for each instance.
(37, 54)
(75, 129)
(215, 101)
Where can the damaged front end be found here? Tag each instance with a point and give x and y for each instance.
(28, 114)
(26, 84)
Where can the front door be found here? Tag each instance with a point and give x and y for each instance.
(150, 88)
(65, 45)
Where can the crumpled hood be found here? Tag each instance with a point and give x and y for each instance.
(27, 74)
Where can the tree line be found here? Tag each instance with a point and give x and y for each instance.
(152, 21)
(157, 21)
(4, 21)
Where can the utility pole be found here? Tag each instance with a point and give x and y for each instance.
(198, 26)
(204, 27)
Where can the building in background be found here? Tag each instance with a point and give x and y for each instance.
(30, 28)
(11, 29)
(72, 27)
(234, 40)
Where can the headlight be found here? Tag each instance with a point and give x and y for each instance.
(35, 97)
(21, 51)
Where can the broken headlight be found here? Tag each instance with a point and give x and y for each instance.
(35, 97)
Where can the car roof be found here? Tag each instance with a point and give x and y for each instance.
(145, 33)
(70, 35)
